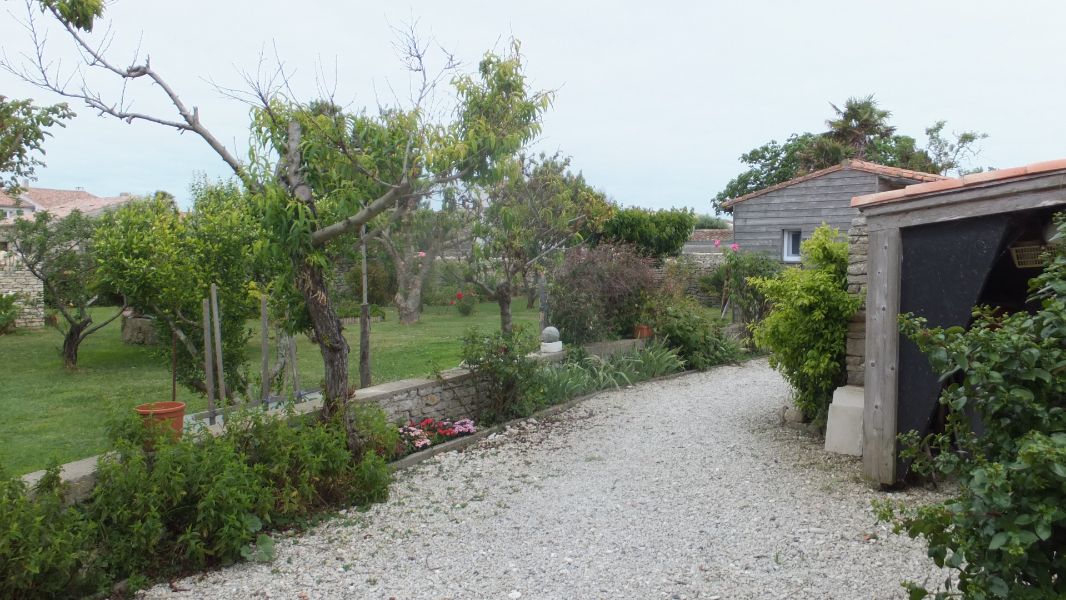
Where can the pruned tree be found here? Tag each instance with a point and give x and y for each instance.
(59, 252)
(538, 208)
(319, 175)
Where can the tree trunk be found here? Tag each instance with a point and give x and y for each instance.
(331, 342)
(409, 308)
(334, 348)
(503, 298)
(71, 341)
(531, 294)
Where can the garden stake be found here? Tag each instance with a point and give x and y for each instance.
(265, 345)
(218, 348)
(209, 370)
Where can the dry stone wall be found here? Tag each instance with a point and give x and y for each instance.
(858, 250)
(16, 279)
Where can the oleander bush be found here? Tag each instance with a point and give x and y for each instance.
(1003, 533)
(686, 326)
(506, 374)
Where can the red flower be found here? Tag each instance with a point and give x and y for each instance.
(426, 423)
(453, 302)
(459, 295)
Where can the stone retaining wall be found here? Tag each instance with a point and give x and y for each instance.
(858, 249)
(15, 278)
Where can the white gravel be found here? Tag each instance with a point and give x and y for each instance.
(687, 488)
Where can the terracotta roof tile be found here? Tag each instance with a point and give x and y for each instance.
(855, 165)
(709, 235)
(924, 189)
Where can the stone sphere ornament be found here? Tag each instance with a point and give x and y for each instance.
(549, 335)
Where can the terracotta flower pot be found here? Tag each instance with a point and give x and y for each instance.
(642, 331)
(165, 415)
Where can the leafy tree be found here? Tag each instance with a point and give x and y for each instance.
(704, 221)
(319, 173)
(538, 208)
(60, 253)
(165, 262)
(859, 130)
(23, 129)
(654, 234)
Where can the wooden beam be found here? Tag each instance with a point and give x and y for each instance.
(882, 356)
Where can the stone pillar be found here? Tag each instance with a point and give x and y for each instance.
(858, 248)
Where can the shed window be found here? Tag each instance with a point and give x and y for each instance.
(791, 243)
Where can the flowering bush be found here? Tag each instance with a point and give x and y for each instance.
(420, 435)
(466, 302)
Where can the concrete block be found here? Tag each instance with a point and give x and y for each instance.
(843, 433)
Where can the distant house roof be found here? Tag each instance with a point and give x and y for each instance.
(854, 165)
(61, 203)
(709, 235)
(976, 179)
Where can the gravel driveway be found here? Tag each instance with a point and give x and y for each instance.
(686, 488)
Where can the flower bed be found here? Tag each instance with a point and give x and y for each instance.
(416, 436)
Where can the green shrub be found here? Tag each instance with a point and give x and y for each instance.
(734, 277)
(705, 221)
(46, 548)
(9, 311)
(1004, 532)
(466, 302)
(380, 282)
(655, 234)
(582, 374)
(689, 328)
(806, 329)
(506, 375)
(597, 293)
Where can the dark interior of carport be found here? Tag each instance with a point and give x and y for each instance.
(947, 269)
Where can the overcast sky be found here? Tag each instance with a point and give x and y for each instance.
(655, 100)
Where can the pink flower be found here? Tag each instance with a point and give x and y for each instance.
(717, 243)
(735, 247)
(421, 254)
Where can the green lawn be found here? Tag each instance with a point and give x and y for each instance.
(48, 413)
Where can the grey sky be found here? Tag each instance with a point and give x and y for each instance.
(655, 99)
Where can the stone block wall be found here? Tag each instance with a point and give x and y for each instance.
(15, 278)
(451, 396)
(858, 250)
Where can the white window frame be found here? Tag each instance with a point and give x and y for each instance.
(786, 245)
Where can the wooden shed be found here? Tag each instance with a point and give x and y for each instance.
(937, 250)
(774, 220)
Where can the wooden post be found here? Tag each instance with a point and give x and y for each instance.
(295, 370)
(173, 366)
(265, 348)
(209, 368)
(219, 373)
(364, 324)
(882, 356)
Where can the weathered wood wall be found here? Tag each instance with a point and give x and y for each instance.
(758, 223)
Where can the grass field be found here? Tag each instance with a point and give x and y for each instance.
(48, 413)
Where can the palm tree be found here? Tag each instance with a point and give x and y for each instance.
(858, 124)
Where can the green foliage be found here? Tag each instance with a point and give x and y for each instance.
(165, 262)
(197, 502)
(655, 234)
(9, 312)
(582, 374)
(46, 548)
(506, 374)
(380, 280)
(705, 221)
(596, 293)
(79, 14)
(734, 277)
(806, 329)
(859, 130)
(1004, 532)
(689, 328)
(59, 252)
(23, 129)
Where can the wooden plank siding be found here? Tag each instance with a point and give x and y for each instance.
(758, 223)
